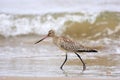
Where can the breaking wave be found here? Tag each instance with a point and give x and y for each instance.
(72, 24)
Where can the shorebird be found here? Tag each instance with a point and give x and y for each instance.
(68, 45)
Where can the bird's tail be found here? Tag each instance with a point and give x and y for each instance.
(92, 50)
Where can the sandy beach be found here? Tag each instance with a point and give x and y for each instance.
(52, 78)
(27, 60)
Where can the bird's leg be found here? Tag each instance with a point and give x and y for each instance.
(84, 66)
(64, 61)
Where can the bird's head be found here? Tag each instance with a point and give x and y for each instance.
(51, 33)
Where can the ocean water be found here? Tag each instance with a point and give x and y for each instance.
(92, 23)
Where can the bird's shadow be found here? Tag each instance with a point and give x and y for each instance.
(67, 73)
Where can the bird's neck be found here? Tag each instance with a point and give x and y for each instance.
(55, 38)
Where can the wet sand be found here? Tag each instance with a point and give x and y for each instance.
(20, 58)
(52, 78)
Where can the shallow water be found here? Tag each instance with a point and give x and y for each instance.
(19, 56)
(92, 23)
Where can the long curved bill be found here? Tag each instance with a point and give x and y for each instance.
(41, 39)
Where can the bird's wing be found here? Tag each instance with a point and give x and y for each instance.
(68, 44)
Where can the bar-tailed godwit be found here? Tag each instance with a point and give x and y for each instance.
(67, 45)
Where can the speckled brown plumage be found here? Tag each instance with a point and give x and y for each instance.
(68, 45)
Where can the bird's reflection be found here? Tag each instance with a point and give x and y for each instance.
(64, 72)
(67, 73)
